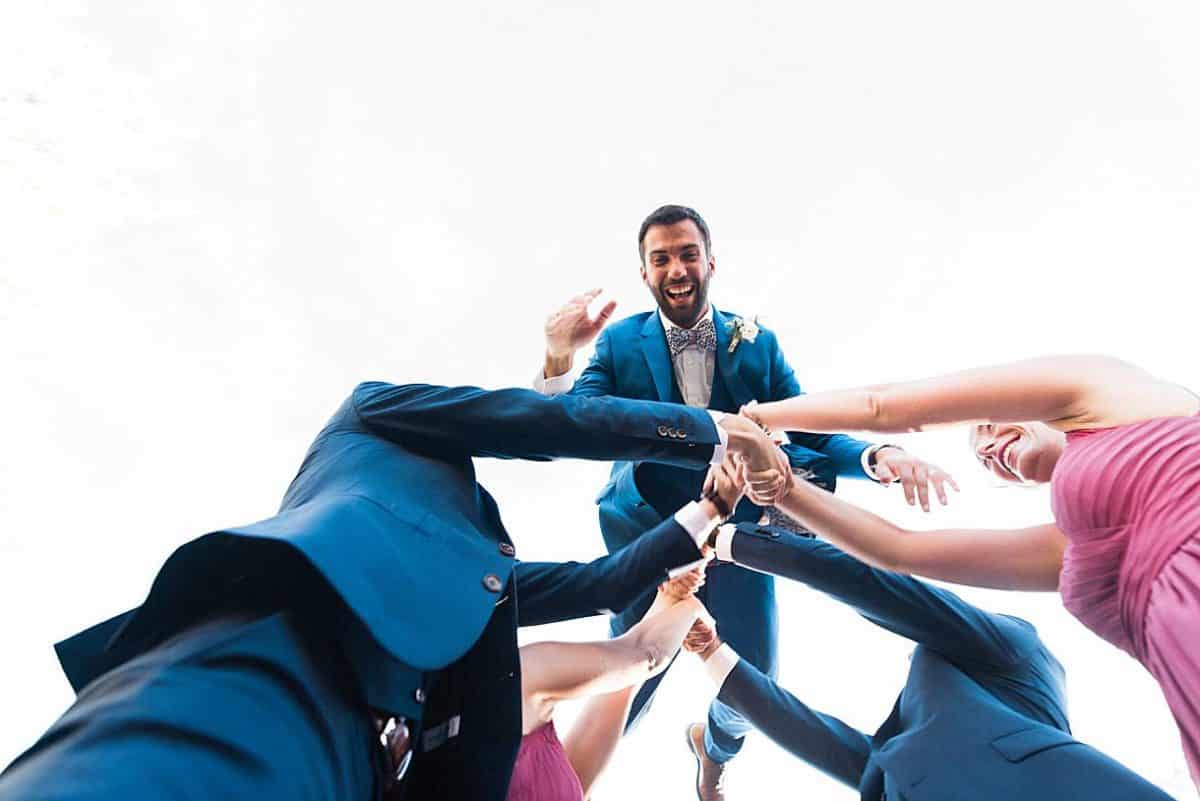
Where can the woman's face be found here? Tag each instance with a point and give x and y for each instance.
(1023, 453)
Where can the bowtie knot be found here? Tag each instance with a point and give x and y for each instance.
(703, 337)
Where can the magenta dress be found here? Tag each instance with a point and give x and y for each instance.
(542, 771)
(1128, 500)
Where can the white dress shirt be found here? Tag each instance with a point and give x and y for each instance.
(694, 368)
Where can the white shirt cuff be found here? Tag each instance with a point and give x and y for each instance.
(866, 461)
(725, 542)
(721, 664)
(719, 449)
(555, 385)
(695, 522)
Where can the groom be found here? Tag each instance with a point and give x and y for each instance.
(690, 353)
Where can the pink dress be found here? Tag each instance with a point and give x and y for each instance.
(542, 771)
(1128, 500)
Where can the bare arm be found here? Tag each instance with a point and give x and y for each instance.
(593, 739)
(554, 671)
(1066, 391)
(1007, 559)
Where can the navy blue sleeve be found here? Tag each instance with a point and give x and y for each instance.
(823, 741)
(548, 592)
(929, 615)
(523, 424)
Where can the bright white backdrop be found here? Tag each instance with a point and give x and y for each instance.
(216, 218)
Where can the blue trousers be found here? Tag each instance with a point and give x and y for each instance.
(235, 707)
(743, 604)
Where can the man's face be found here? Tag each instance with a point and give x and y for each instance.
(677, 269)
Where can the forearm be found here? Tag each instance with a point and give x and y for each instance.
(871, 538)
(554, 591)
(823, 741)
(522, 424)
(1051, 389)
(557, 364)
(1011, 559)
(930, 615)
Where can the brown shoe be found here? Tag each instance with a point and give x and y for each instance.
(710, 776)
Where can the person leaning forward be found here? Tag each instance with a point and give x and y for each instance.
(266, 656)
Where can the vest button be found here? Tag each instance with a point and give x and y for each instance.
(492, 583)
(507, 550)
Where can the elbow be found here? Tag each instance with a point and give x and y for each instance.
(881, 413)
(875, 411)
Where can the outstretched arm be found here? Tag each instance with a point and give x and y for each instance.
(931, 616)
(831, 746)
(555, 671)
(549, 592)
(523, 424)
(1069, 391)
(1007, 559)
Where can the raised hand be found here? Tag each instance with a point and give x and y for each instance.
(916, 475)
(571, 327)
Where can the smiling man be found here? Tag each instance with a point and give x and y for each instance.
(688, 352)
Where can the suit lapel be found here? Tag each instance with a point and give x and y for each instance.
(727, 363)
(658, 359)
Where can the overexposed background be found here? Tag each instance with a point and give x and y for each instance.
(216, 218)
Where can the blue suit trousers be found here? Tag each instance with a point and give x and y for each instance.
(731, 593)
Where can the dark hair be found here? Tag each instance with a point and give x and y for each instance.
(669, 215)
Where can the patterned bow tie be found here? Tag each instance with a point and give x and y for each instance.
(703, 336)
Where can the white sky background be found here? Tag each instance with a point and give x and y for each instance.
(217, 218)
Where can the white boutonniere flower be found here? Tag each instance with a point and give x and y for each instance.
(742, 329)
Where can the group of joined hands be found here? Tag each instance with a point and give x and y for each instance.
(756, 467)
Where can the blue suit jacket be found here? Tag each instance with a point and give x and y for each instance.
(981, 716)
(632, 361)
(386, 536)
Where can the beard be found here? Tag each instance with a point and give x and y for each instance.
(683, 312)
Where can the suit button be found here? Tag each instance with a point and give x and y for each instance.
(663, 431)
(419, 696)
(491, 582)
(682, 434)
(507, 550)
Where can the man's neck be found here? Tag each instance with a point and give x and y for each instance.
(668, 322)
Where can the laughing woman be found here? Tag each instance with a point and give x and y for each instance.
(1121, 451)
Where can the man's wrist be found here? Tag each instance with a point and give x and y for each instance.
(698, 519)
(716, 506)
(556, 365)
(870, 458)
